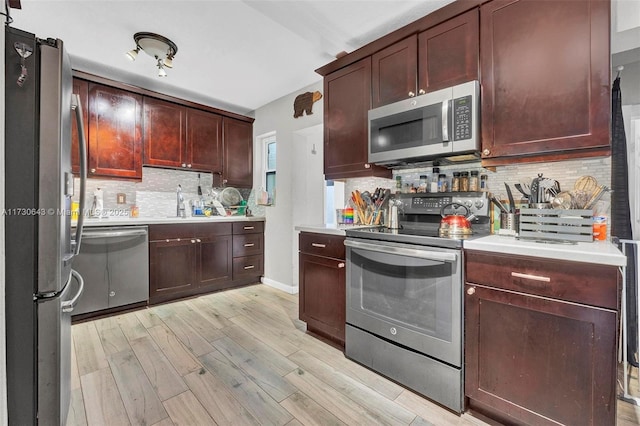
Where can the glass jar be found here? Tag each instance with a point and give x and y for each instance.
(398, 184)
(473, 181)
(455, 182)
(442, 183)
(484, 184)
(434, 180)
(423, 183)
(464, 181)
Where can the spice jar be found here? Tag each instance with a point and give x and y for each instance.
(423, 183)
(398, 184)
(442, 183)
(484, 183)
(455, 182)
(473, 181)
(434, 181)
(464, 181)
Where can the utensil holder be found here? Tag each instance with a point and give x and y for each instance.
(510, 221)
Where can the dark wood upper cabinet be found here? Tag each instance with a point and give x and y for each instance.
(164, 133)
(448, 53)
(545, 80)
(442, 56)
(115, 132)
(204, 140)
(80, 88)
(394, 72)
(238, 153)
(347, 100)
(181, 137)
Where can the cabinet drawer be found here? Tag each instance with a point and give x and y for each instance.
(248, 227)
(207, 230)
(247, 265)
(171, 231)
(579, 282)
(322, 245)
(247, 244)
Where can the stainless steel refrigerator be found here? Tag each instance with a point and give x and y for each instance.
(41, 287)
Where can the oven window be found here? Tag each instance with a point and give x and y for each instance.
(410, 292)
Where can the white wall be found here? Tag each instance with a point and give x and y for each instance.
(295, 168)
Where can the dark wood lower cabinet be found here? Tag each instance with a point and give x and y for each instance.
(189, 259)
(323, 288)
(531, 359)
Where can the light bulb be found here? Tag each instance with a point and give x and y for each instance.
(168, 62)
(133, 54)
(162, 72)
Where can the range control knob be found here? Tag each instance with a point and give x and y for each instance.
(479, 204)
(468, 203)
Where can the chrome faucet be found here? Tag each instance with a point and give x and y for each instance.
(180, 210)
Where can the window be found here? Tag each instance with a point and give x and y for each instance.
(269, 166)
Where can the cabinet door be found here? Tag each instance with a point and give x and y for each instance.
(215, 260)
(394, 72)
(238, 153)
(540, 360)
(448, 53)
(323, 295)
(347, 100)
(545, 79)
(204, 140)
(80, 88)
(164, 133)
(171, 266)
(115, 132)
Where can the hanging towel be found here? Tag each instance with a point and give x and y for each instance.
(621, 214)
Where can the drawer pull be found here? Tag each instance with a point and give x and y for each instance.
(247, 228)
(198, 240)
(193, 241)
(249, 245)
(340, 265)
(318, 245)
(531, 277)
(249, 267)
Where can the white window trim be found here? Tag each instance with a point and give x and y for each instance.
(263, 140)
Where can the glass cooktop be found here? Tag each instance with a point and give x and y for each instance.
(427, 236)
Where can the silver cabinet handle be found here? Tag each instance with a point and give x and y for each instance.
(184, 165)
(411, 94)
(367, 166)
(189, 165)
(531, 277)
(198, 240)
(93, 170)
(471, 291)
(318, 245)
(421, 92)
(69, 305)
(249, 245)
(193, 241)
(249, 267)
(340, 265)
(247, 228)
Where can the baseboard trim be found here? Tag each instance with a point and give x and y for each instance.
(278, 285)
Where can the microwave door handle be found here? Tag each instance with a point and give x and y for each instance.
(445, 121)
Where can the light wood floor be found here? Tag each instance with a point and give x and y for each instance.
(234, 358)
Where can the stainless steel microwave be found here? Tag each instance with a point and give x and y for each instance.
(441, 124)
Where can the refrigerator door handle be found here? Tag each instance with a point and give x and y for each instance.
(68, 305)
(82, 148)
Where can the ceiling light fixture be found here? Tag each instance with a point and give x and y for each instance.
(156, 46)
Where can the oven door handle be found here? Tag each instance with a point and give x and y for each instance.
(421, 254)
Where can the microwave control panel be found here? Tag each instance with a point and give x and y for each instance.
(462, 121)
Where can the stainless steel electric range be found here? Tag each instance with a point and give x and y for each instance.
(404, 296)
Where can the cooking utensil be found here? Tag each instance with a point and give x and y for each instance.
(455, 224)
(498, 204)
(586, 183)
(535, 188)
(230, 196)
(595, 197)
(199, 187)
(512, 203)
(520, 188)
(563, 200)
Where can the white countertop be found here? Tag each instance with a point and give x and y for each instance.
(126, 221)
(328, 229)
(597, 252)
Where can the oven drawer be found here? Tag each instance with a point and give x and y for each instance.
(322, 245)
(578, 282)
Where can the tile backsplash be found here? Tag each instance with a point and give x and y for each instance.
(565, 172)
(155, 194)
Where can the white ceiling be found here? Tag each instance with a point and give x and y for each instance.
(233, 54)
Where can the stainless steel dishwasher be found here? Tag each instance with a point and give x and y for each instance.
(114, 262)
